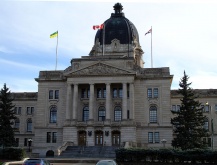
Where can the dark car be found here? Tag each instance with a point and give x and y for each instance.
(106, 162)
(36, 162)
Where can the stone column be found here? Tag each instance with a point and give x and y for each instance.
(75, 102)
(108, 101)
(124, 102)
(131, 101)
(68, 102)
(91, 102)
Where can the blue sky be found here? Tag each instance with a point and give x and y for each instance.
(184, 37)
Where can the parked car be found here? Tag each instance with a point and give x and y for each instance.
(106, 162)
(36, 162)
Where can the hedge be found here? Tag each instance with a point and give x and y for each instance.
(166, 155)
(12, 154)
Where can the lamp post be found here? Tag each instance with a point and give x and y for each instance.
(164, 142)
(29, 143)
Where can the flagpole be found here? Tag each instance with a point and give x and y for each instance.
(151, 49)
(56, 51)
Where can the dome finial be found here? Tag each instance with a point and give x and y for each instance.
(118, 8)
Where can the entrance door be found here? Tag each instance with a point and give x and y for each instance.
(116, 138)
(98, 138)
(82, 138)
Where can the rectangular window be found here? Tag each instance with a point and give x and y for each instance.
(29, 110)
(17, 110)
(16, 142)
(149, 92)
(174, 108)
(54, 137)
(83, 93)
(156, 137)
(99, 93)
(56, 94)
(206, 108)
(48, 137)
(202, 106)
(155, 92)
(25, 141)
(117, 115)
(101, 115)
(50, 94)
(206, 125)
(215, 107)
(115, 93)
(104, 92)
(128, 114)
(153, 116)
(120, 93)
(209, 142)
(178, 108)
(150, 137)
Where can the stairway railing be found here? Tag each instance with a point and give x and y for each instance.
(64, 146)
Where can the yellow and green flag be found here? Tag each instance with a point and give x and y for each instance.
(54, 34)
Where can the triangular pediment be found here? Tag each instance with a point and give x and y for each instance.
(100, 68)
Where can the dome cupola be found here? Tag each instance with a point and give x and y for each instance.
(117, 37)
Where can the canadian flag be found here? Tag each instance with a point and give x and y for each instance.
(98, 26)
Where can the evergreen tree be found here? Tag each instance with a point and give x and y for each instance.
(189, 120)
(6, 118)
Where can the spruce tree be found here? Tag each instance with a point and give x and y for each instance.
(189, 120)
(6, 118)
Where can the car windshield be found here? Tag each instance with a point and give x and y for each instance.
(33, 161)
(105, 163)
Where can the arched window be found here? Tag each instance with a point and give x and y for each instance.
(101, 114)
(85, 113)
(117, 114)
(53, 114)
(16, 123)
(153, 114)
(29, 125)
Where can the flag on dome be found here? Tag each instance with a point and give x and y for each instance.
(54, 34)
(149, 31)
(98, 26)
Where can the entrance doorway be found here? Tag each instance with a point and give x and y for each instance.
(82, 138)
(99, 138)
(116, 138)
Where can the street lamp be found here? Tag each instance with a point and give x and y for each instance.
(164, 142)
(29, 143)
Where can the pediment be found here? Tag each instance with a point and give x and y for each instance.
(100, 69)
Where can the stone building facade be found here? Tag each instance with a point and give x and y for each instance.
(105, 98)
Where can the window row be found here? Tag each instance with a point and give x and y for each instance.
(205, 108)
(28, 124)
(102, 114)
(101, 93)
(29, 110)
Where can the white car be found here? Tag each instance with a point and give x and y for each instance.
(106, 162)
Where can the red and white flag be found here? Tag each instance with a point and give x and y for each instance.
(149, 31)
(98, 26)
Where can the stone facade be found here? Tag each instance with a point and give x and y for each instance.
(106, 98)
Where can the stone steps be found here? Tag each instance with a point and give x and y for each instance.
(89, 152)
